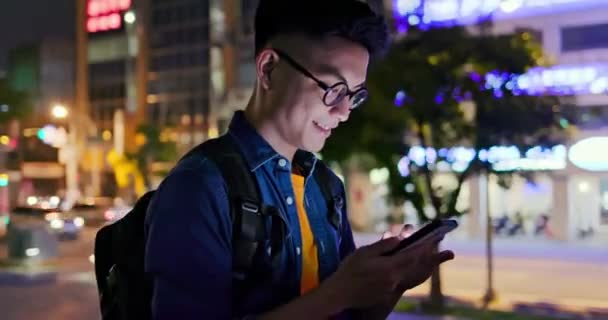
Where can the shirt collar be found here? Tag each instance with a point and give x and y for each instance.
(258, 151)
(305, 162)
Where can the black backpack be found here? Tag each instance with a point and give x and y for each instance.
(125, 291)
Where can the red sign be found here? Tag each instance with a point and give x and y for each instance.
(105, 15)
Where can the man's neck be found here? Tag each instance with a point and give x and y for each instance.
(270, 133)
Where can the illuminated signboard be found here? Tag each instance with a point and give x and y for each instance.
(105, 15)
(502, 158)
(450, 12)
(590, 154)
(558, 80)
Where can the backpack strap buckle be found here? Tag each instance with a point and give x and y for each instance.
(250, 206)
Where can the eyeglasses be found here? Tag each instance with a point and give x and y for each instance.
(335, 93)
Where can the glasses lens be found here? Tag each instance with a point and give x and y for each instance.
(358, 98)
(335, 94)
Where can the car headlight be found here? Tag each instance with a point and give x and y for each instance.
(32, 252)
(109, 215)
(79, 222)
(57, 224)
(51, 216)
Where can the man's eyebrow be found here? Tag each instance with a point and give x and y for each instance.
(360, 85)
(325, 69)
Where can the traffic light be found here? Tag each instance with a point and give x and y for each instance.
(41, 134)
(3, 180)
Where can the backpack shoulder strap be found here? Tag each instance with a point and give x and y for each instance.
(224, 152)
(249, 216)
(323, 176)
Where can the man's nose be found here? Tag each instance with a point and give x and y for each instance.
(342, 110)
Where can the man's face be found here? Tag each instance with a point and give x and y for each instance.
(304, 120)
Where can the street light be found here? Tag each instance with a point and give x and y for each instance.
(70, 155)
(129, 17)
(59, 111)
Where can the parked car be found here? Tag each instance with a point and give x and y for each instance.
(92, 210)
(63, 224)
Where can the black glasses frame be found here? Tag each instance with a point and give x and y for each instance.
(324, 86)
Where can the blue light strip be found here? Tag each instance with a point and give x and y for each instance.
(557, 80)
(428, 13)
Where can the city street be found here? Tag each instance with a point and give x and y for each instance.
(423, 109)
(572, 276)
(67, 292)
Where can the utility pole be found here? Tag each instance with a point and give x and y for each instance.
(81, 100)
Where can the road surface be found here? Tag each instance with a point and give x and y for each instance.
(573, 276)
(67, 291)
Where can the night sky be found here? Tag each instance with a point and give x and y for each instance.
(28, 21)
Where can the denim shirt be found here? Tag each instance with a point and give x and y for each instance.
(188, 228)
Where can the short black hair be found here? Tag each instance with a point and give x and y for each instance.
(350, 19)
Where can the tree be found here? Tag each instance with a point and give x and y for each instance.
(13, 104)
(152, 149)
(443, 88)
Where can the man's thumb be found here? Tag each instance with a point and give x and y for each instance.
(382, 246)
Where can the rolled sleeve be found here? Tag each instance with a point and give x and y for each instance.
(188, 248)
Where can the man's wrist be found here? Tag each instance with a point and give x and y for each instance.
(322, 303)
(331, 298)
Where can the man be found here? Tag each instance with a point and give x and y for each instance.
(311, 65)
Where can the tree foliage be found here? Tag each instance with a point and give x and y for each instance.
(153, 149)
(431, 90)
(13, 104)
(417, 95)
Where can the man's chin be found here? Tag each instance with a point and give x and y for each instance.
(314, 147)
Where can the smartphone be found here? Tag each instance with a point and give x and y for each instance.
(436, 228)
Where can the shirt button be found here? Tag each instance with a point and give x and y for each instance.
(298, 251)
(282, 162)
(289, 200)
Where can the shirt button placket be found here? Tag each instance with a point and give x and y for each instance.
(282, 162)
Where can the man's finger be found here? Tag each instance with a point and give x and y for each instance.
(444, 256)
(386, 235)
(437, 239)
(382, 246)
(406, 231)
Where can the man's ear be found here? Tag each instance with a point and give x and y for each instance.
(265, 64)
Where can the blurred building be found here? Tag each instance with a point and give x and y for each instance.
(179, 66)
(179, 69)
(110, 91)
(572, 180)
(45, 71)
(232, 57)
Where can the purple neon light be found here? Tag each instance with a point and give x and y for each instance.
(453, 12)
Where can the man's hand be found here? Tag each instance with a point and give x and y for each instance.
(367, 278)
(425, 259)
(367, 282)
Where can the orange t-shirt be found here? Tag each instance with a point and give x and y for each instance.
(310, 259)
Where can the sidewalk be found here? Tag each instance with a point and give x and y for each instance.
(534, 249)
(12, 274)
(529, 275)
